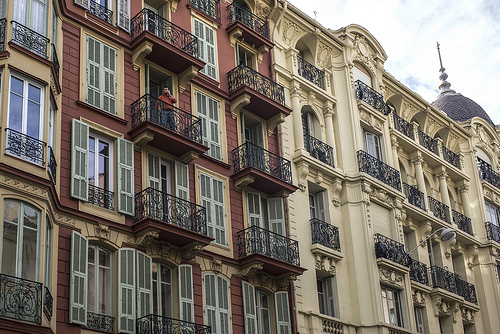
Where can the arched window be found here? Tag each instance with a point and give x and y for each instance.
(361, 74)
(99, 281)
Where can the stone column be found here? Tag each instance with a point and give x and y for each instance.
(443, 189)
(419, 174)
(464, 193)
(394, 146)
(297, 118)
(328, 113)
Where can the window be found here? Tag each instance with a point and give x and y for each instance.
(103, 10)
(317, 206)
(217, 313)
(492, 213)
(391, 304)
(212, 198)
(419, 319)
(361, 74)
(256, 207)
(327, 296)
(48, 251)
(99, 287)
(372, 145)
(31, 14)
(206, 48)
(186, 293)
(101, 75)
(92, 169)
(208, 110)
(162, 290)
(257, 307)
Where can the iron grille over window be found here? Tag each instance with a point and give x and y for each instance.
(158, 324)
(101, 197)
(403, 126)
(440, 210)
(487, 173)
(428, 142)
(391, 250)
(418, 272)
(444, 279)
(25, 147)
(451, 157)
(21, 299)
(463, 222)
(492, 232)
(100, 322)
(319, 150)
(415, 196)
(101, 12)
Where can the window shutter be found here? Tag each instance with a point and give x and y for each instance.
(126, 176)
(254, 210)
(83, 3)
(206, 202)
(201, 102)
(199, 32)
(330, 295)
(282, 312)
(181, 180)
(154, 171)
(223, 304)
(93, 72)
(124, 15)
(78, 273)
(126, 290)
(249, 307)
(276, 215)
(79, 160)
(211, 66)
(109, 68)
(321, 206)
(213, 113)
(211, 302)
(186, 293)
(219, 212)
(144, 285)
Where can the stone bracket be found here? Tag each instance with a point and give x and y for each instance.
(273, 122)
(238, 104)
(140, 53)
(186, 76)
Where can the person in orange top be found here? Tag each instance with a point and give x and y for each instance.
(166, 109)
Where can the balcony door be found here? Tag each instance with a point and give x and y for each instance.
(253, 134)
(155, 81)
(31, 14)
(159, 178)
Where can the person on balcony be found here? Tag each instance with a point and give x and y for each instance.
(165, 106)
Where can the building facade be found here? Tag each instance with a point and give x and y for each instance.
(285, 190)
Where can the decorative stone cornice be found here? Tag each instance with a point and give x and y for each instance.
(418, 297)
(390, 277)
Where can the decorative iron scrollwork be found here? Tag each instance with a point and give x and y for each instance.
(325, 234)
(391, 250)
(428, 142)
(238, 13)
(415, 196)
(21, 299)
(209, 7)
(159, 324)
(101, 197)
(366, 94)
(463, 222)
(418, 272)
(100, 322)
(101, 12)
(319, 150)
(25, 147)
(311, 72)
(440, 210)
(379, 170)
(403, 126)
(29, 39)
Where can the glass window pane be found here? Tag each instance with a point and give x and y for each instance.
(9, 249)
(16, 112)
(16, 86)
(91, 295)
(29, 256)
(34, 94)
(11, 211)
(30, 217)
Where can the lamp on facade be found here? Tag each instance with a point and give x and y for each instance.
(447, 234)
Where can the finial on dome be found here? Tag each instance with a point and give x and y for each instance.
(445, 85)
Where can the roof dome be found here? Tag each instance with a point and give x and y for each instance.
(459, 107)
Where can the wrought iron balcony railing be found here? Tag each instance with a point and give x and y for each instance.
(463, 222)
(101, 197)
(100, 322)
(3, 27)
(379, 170)
(156, 324)
(52, 165)
(20, 299)
(325, 234)
(403, 126)
(391, 250)
(465, 289)
(209, 7)
(311, 72)
(55, 60)
(101, 12)
(239, 13)
(261, 241)
(149, 108)
(251, 155)
(440, 210)
(25, 147)
(155, 204)
(48, 301)
(415, 196)
(366, 94)
(245, 76)
(319, 150)
(29, 39)
(418, 272)
(428, 142)
(492, 231)
(444, 279)
(451, 157)
(487, 173)
(147, 20)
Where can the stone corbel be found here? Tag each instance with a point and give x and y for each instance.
(251, 269)
(186, 76)
(471, 254)
(146, 238)
(336, 189)
(173, 5)
(140, 53)
(261, 52)
(142, 139)
(455, 309)
(418, 297)
(102, 232)
(239, 104)
(273, 122)
(216, 265)
(303, 172)
(189, 252)
(425, 230)
(391, 278)
(188, 157)
(441, 307)
(448, 246)
(243, 182)
(284, 281)
(467, 315)
(234, 35)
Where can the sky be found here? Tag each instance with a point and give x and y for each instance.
(468, 32)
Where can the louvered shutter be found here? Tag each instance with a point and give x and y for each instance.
(126, 290)
(211, 66)
(200, 33)
(330, 295)
(276, 215)
(211, 302)
(79, 160)
(144, 285)
(219, 214)
(123, 20)
(109, 69)
(83, 3)
(186, 293)
(254, 210)
(125, 176)
(282, 312)
(94, 72)
(154, 171)
(213, 113)
(321, 206)
(249, 307)
(223, 305)
(78, 282)
(201, 111)
(181, 180)
(206, 202)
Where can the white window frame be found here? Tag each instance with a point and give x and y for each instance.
(327, 296)
(97, 139)
(216, 209)
(98, 281)
(392, 296)
(317, 205)
(492, 213)
(263, 327)
(208, 109)
(419, 320)
(207, 49)
(48, 251)
(222, 308)
(373, 144)
(159, 283)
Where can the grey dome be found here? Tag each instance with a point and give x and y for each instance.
(460, 108)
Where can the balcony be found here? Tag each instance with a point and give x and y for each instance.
(3, 26)
(440, 210)
(279, 254)
(163, 42)
(29, 39)
(158, 324)
(451, 157)
(403, 126)
(319, 150)
(463, 222)
(48, 301)
(266, 171)
(166, 127)
(267, 97)
(451, 282)
(179, 222)
(428, 142)
(366, 94)
(325, 234)
(492, 231)
(21, 299)
(245, 24)
(486, 173)
(379, 170)
(100, 322)
(55, 60)
(25, 147)
(415, 197)
(391, 250)
(101, 12)
(209, 7)
(52, 165)
(311, 73)
(418, 272)
(101, 197)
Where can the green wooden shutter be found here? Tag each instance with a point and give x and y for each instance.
(249, 307)
(223, 305)
(181, 180)
(254, 210)
(126, 290)
(109, 79)
(186, 293)
(211, 66)
(123, 20)
(94, 58)
(79, 160)
(211, 302)
(282, 312)
(125, 176)
(213, 114)
(200, 33)
(78, 279)
(144, 285)
(206, 202)
(219, 212)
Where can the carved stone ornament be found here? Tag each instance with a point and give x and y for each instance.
(146, 238)
(263, 9)
(325, 263)
(467, 315)
(381, 195)
(363, 49)
(216, 265)
(260, 279)
(391, 278)
(164, 250)
(102, 232)
(251, 269)
(289, 31)
(189, 253)
(284, 282)
(418, 297)
(441, 307)
(323, 52)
